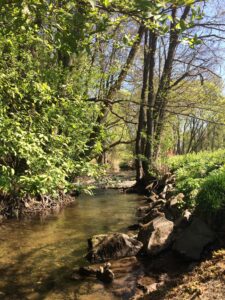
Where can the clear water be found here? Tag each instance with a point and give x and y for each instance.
(37, 257)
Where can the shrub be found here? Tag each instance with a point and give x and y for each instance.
(201, 177)
(211, 197)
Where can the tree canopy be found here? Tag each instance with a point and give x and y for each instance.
(79, 79)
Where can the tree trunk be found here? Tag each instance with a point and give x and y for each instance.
(140, 143)
(112, 92)
(147, 164)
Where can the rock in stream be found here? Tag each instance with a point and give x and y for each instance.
(104, 247)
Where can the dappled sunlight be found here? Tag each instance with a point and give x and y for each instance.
(37, 257)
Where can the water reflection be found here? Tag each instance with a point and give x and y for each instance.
(36, 257)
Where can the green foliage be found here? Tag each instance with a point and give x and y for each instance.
(211, 197)
(201, 177)
(45, 119)
(48, 70)
(196, 165)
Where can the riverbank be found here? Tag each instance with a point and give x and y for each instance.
(30, 207)
(204, 280)
(146, 276)
(176, 245)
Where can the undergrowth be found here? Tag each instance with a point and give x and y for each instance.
(201, 177)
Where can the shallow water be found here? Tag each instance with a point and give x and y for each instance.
(37, 257)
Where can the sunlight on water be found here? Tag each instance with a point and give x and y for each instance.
(37, 257)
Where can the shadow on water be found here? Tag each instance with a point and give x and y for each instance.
(37, 257)
(58, 279)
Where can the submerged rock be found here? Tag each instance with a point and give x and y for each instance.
(80, 273)
(112, 246)
(104, 274)
(156, 235)
(193, 239)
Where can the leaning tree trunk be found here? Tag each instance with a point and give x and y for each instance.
(115, 87)
(164, 85)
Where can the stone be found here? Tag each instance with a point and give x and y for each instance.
(159, 202)
(80, 273)
(154, 213)
(104, 274)
(155, 210)
(184, 219)
(139, 295)
(142, 210)
(148, 285)
(153, 197)
(192, 241)
(112, 246)
(152, 288)
(144, 282)
(174, 204)
(156, 235)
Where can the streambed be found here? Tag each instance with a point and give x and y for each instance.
(36, 257)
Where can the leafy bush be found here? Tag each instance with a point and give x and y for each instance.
(45, 120)
(211, 197)
(197, 165)
(201, 177)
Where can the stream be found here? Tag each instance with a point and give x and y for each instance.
(37, 256)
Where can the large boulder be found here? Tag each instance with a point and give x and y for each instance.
(156, 235)
(193, 239)
(112, 246)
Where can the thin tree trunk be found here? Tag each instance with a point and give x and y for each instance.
(139, 145)
(163, 89)
(151, 100)
(112, 92)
